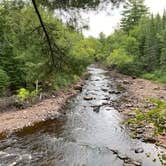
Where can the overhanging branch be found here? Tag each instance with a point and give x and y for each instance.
(45, 31)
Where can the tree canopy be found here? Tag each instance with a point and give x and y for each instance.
(79, 4)
(133, 11)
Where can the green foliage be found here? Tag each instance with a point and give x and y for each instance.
(63, 80)
(157, 75)
(144, 41)
(25, 54)
(23, 94)
(4, 81)
(79, 4)
(156, 115)
(133, 11)
(119, 58)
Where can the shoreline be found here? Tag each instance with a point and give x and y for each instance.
(16, 120)
(134, 93)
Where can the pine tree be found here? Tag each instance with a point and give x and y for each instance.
(133, 11)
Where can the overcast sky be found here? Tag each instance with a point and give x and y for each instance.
(104, 22)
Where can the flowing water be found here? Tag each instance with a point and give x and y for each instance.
(90, 133)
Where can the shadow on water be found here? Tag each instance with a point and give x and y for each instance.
(90, 133)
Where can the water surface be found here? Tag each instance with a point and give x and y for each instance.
(87, 135)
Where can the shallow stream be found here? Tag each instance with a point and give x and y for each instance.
(90, 133)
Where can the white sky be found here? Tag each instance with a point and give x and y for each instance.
(106, 23)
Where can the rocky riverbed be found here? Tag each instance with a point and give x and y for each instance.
(136, 93)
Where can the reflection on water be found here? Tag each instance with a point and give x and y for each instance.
(87, 135)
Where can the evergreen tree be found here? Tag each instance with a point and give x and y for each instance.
(133, 11)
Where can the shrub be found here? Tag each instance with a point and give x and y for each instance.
(26, 97)
(23, 94)
(119, 58)
(157, 75)
(62, 80)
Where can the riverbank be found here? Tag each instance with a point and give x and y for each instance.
(15, 120)
(133, 95)
(136, 97)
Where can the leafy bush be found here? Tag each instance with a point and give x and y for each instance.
(118, 58)
(23, 94)
(62, 80)
(4, 81)
(157, 75)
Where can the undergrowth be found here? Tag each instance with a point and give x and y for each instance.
(155, 115)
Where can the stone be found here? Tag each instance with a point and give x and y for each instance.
(139, 130)
(126, 82)
(129, 105)
(96, 109)
(138, 136)
(128, 164)
(88, 98)
(134, 77)
(156, 88)
(139, 150)
(150, 139)
(132, 114)
(137, 163)
(104, 89)
(114, 92)
(78, 87)
(122, 157)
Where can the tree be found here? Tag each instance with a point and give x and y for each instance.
(133, 11)
(76, 4)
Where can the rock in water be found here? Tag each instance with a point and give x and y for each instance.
(88, 98)
(96, 109)
(139, 150)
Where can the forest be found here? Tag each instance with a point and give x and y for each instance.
(29, 64)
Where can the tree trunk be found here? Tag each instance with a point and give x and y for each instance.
(45, 31)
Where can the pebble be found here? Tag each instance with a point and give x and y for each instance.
(126, 82)
(96, 109)
(150, 139)
(114, 92)
(130, 162)
(139, 150)
(122, 157)
(105, 90)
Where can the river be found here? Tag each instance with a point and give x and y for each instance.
(89, 133)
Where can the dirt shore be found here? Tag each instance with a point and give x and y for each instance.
(135, 92)
(12, 121)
